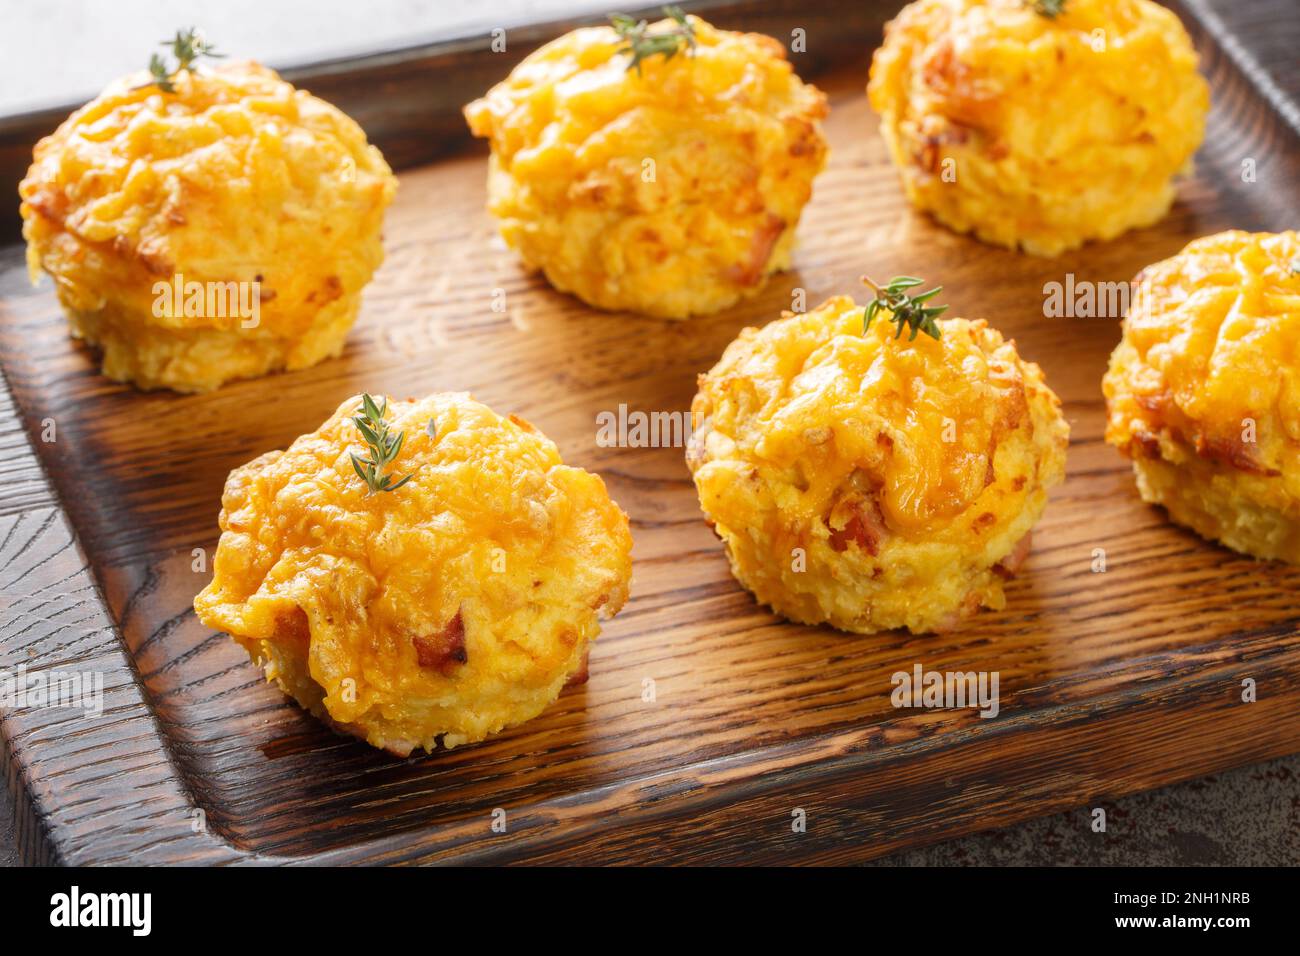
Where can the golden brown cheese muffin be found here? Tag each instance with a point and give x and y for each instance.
(1036, 131)
(454, 606)
(1203, 391)
(874, 482)
(670, 192)
(235, 178)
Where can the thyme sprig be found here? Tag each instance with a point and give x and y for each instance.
(1048, 8)
(187, 46)
(382, 445)
(641, 44)
(906, 311)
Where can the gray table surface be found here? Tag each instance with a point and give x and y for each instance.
(1249, 816)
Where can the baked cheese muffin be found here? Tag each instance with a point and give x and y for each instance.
(874, 482)
(259, 204)
(450, 604)
(1203, 391)
(1039, 131)
(672, 189)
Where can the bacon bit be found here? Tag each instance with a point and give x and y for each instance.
(1018, 483)
(935, 144)
(173, 209)
(751, 271)
(1157, 403)
(591, 189)
(970, 606)
(965, 97)
(983, 521)
(401, 749)
(1233, 452)
(866, 527)
(1008, 566)
(50, 204)
(583, 673)
(333, 290)
(292, 628)
(990, 474)
(1013, 410)
(806, 141)
(151, 256)
(1148, 443)
(445, 650)
(883, 440)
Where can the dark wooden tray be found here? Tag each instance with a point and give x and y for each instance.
(1110, 682)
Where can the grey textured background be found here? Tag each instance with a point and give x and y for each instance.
(1248, 816)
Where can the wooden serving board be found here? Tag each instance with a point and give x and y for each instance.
(1110, 682)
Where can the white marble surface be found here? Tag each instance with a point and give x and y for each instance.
(54, 52)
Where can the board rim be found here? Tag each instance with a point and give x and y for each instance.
(47, 838)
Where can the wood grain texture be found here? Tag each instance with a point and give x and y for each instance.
(1110, 682)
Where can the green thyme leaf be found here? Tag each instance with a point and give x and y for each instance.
(187, 46)
(640, 44)
(382, 445)
(1049, 8)
(906, 311)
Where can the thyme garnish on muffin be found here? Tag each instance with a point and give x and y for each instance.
(642, 44)
(187, 47)
(907, 311)
(1049, 8)
(382, 445)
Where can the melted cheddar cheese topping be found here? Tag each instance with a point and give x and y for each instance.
(1203, 391)
(1039, 132)
(672, 192)
(903, 471)
(235, 178)
(452, 607)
